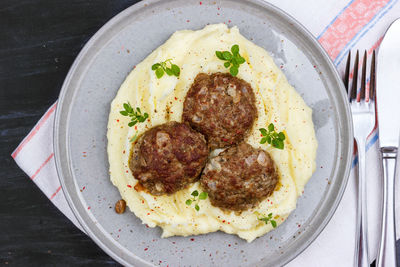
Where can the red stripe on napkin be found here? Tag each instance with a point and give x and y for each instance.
(55, 193)
(41, 166)
(34, 131)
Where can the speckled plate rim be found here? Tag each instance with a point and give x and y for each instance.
(60, 142)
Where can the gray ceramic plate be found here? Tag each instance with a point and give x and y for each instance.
(81, 124)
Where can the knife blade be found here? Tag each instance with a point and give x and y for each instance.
(388, 87)
(388, 108)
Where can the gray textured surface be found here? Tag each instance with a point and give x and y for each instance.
(97, 75)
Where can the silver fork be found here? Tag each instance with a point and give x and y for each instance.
(363, 112)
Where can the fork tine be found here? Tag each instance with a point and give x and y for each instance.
(372, 78)
(353, 91)
(347, 73)
(363, 76)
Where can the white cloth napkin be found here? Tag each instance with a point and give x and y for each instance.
(340, 26)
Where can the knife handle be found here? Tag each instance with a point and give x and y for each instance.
(387, 247)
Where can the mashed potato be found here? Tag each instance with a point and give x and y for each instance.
(162, 99)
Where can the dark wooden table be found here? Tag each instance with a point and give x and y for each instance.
(38, 42)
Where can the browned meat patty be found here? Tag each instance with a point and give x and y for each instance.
(221, 107)
(168, 157)
(239, 177)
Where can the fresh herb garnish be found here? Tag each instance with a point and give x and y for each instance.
(195, 193)
(135, 115)
(268, 219)
(161, 67)
(271, 137)
(233, 60)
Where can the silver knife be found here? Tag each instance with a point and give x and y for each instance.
(388, 107)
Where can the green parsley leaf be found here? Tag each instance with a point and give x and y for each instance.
(159, 72)
(273, 138)
(235, 49)
(155, 66)
(263, 131)
(175, 70)
(267, 219)
(275, 143)
(269, 139)
(233, 60)
(280, 144)
(127, 107)
(227, 55)
(234, 70)
(240, 60)
(169, 71)
(136, 116)
(203, 195)
(271, 127)
(219, 55)
(161, 68)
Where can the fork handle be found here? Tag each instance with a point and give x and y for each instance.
(387, 247)
(361, 253)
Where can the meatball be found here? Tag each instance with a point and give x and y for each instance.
(239, 177)
(168, 157)
(221, 107)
